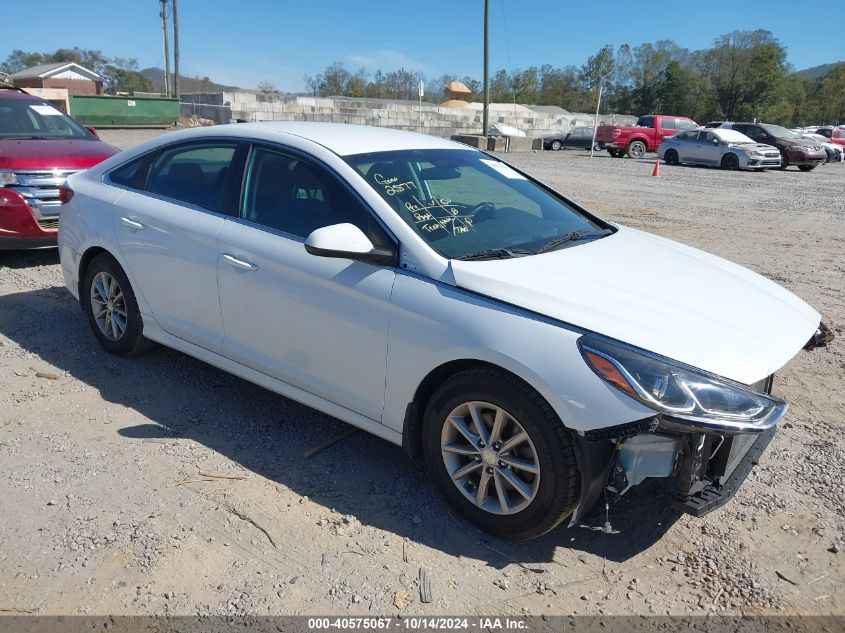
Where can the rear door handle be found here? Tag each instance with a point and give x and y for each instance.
(239, 263)
(132, 224)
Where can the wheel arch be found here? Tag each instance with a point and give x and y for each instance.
(634, 139)
(412, 424)
(86, 258)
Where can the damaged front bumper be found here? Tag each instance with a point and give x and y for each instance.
(709, 459)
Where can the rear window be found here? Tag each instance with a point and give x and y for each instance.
(196, 174)
(133, 174)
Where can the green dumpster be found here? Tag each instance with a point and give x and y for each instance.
(107, 111)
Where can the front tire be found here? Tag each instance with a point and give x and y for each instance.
(671, 157)
(499, 454)
(806, 167)
(730, 161)
(111, 307)
(556, 145)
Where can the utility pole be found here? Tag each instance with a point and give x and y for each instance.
(166, 48)
(596, 122)
(175, 49)
(486, 66)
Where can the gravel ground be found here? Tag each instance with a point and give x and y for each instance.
(160, 485)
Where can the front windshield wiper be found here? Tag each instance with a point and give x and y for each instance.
(496, 253)
(569, 237)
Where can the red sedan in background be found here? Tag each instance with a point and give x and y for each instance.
(39, 147)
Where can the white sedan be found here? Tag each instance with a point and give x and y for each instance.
(433, 295)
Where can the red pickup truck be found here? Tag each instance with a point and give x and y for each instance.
(643, 137)
(39, 147)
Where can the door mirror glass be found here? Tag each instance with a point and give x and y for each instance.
(346, 241)
(92, 130)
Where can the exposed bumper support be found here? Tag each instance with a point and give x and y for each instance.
(820, 338)
(716, 493)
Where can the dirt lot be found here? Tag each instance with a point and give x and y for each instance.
(158, 484)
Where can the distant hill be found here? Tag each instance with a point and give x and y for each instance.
(186, 84)
(817, 72)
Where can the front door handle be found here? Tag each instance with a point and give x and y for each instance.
(132, 224)
(239, 263)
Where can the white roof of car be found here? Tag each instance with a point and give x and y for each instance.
(345, 139)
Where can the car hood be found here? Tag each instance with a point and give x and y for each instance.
(802, 142)
(754, 147)
(658, 295)
(53, 154)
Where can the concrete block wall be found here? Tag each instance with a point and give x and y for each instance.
(428, 118)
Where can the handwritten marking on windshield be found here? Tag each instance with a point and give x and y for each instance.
(392, 186)
(426, 220)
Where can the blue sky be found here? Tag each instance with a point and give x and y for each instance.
(247, 41)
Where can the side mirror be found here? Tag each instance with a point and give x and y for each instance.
(347, 241)
(92, 130)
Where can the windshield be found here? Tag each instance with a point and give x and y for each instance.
(731, 136)
(464, 203)
(28, 118)
(779, 132)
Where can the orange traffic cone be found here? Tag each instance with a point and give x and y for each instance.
(656, 171)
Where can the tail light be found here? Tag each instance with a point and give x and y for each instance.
(617, 132)
(65, 194)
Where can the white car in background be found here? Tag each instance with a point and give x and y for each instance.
(718, 147)
(443, 300)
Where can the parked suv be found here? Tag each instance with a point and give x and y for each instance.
(794, 150)
(39, 147)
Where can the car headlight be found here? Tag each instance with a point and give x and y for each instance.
(700, 399)
(754, 152)
(8, 178)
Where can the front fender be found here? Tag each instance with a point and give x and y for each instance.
(434, 324)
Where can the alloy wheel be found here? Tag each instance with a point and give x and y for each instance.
(108, 306)
(490, 458)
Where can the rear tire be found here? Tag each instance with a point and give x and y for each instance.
(112, 309)
(671, 157)
(784, 161)
(463, 462)
(636, 149)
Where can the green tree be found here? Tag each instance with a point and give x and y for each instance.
(745, 68)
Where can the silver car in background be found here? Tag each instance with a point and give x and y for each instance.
(718, 147)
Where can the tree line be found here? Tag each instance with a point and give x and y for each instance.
(743, 75)
(120, 75)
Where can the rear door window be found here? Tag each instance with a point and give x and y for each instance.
(197, 174)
